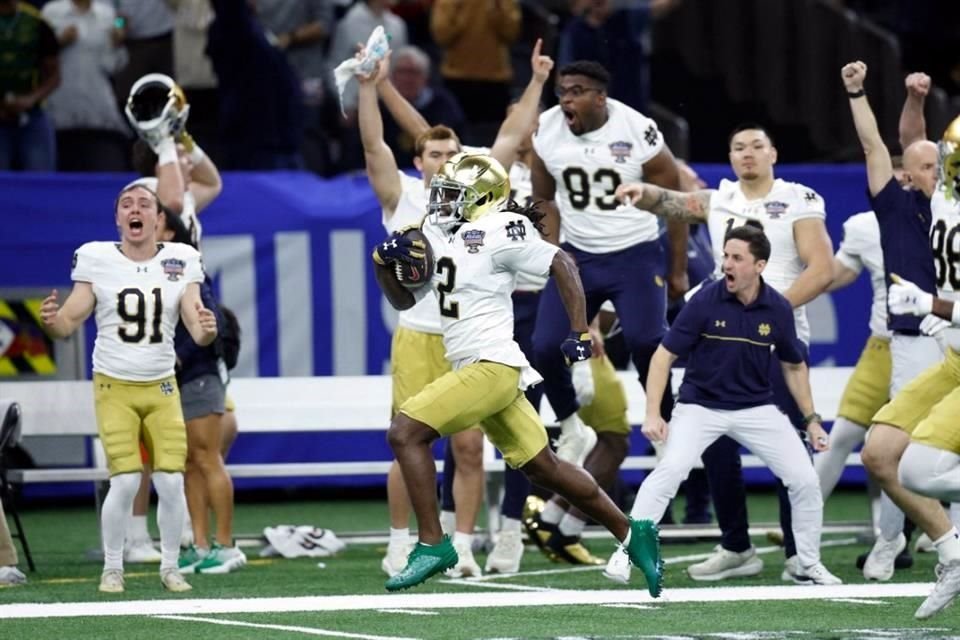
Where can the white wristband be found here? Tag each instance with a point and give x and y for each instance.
(955, 314)
(197, 155)
(166, 152)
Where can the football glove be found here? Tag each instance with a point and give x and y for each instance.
(577, 347)
(931, 325)
(906, 298)
(582, 375)
(399, 248)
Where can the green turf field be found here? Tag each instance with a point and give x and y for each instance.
(345, 597)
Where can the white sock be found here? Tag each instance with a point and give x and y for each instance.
(463, 539)
(399, 537)
(448, 522)
(137, 529)
(169, 486)
(948, 546)
(571, 525)
(955, 514)
(844, 437)
(552, 513)
(891, 518)
(509, 525)
(572, 424)
(116, 510)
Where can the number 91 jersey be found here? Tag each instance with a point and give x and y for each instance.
(945, 246)
(588, 169)
(138, 306)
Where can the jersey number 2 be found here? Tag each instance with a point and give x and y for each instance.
(448, 270)
(138, 315)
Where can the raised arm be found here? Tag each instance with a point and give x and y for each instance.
(686, 208)
(61, 322)
(406, 115)
(516, 127)
(913, 125)
(205, 181)
(201, 323)
(544, 189)
(380, 161)
(816, 252)
(662, 171)
(879, 165)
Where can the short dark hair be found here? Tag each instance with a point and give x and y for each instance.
(590, 69)
(749, 126)
(144, 159)
(752, 233)
(175, 223)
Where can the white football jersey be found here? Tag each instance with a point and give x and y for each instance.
(787, 203)
(589, 168)
(521, 190)
(945, 246)
(189, 214)
(138, 306)
(861, 248)
(474, 278)
(410, 211)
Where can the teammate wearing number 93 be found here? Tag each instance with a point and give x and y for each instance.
(480, 243)
(139, 289)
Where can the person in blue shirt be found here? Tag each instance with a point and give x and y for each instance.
(729, 332)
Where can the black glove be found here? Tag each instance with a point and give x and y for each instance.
(577, 347)
(399, 248)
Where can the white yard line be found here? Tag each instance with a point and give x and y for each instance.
(283, 627)
(856, 601)
(409, 612)
(472, 600)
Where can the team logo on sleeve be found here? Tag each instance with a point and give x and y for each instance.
(76, 256)
(763, 329)
(173, 268)
(516, 230)
(775, 209)
(811, 196)
(651, 135)
(620, 150)
(473, 240)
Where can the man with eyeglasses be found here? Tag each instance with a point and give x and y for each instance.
(584, 149)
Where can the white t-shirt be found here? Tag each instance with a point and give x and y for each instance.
(861, 248)
(785, 204)
(475, 276)
(521, 190)
(189, 215)
(410, 211)
(138, 306)
(587, 170)
(945, 246)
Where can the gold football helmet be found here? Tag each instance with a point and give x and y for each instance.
(949, 147)
(157, 107)
(467, 187)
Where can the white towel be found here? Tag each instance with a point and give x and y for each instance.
(378, 44)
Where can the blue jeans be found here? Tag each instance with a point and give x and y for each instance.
(28, 144)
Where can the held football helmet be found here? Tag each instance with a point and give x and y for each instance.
(156, 108)
(467, 187)
(949, 165)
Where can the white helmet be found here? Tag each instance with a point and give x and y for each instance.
(157, 108)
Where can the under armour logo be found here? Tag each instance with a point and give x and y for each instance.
(141, 269)
(391, 244)
(720, 323)
(581, 352)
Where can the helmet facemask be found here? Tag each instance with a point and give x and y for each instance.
(467, 187)
(449, 201)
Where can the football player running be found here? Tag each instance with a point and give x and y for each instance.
(479, 244)
(800, 268)
(139, 288)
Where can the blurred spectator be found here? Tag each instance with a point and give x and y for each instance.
(193, 70)
(301, 28)
(617, 35)
(91, 133)
(29, 73)
(149, 39)
(261, 105)
(416, 13)
(355, 27)
(475, 37)
(410, 74)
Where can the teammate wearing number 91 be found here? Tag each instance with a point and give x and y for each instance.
(139, 289)
(480, 243)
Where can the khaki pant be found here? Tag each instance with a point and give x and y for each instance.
(8, 553)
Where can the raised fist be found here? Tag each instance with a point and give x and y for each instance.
(918, 84)
(853, 74)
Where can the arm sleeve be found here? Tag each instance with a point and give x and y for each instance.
(518, 252)
(684, 333)
(84, 265)
(194, 269)
(850, 252)
(811, 206)
(788, 344)
(647, 135)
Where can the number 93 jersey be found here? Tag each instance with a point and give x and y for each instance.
(588, 169)
(945, 246)
(138, 306)
(475, 275)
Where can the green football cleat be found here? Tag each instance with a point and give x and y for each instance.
(644, 553)
(424, 561)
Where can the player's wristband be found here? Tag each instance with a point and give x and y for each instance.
(813, 417)
(166, 152)
(197, 154)
(856, 94)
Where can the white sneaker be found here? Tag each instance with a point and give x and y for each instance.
(506, 554)
(923, 544)
(817, 574)
(396, 559)
(946, 589)
(222, 560)
(879, 563)
(11, 575)
(172, 580)
(725, 564)
(618, 566)
(466, 566)
(574, 445)
(140, 552)
(111, 581)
